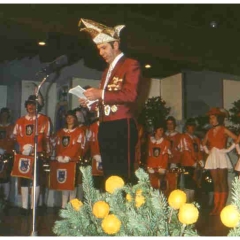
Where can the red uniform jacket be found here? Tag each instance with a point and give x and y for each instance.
(6, 137)
(158, 152)
(191, 149)
(70, 143)
(24, 131)
(121, 91)
(174, 139)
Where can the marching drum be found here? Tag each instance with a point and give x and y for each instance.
(62, 175)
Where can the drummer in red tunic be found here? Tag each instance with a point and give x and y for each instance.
(158, 154)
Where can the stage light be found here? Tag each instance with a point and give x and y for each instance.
(41, 43)
(213, 24)
(148, 66)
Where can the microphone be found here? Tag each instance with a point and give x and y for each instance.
(56, 64)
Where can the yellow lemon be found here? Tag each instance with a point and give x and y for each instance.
(112, 183)
(139, 200)
(129, 197)
(177, 198)
(230, 216)
(76, 204)
(111, 224)
(100, 209)
(188, 214)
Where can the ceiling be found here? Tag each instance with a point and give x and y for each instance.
(170, 37)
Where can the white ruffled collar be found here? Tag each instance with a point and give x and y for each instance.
(154, 140)
(69, 130)
(28, 117)
(171, 134)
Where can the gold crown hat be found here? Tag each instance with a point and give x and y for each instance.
(99, 32)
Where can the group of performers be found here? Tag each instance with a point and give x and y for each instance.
(188, 155)
(63, 151)
(113, 140)
(165, 154)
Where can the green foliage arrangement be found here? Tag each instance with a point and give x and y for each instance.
(123, 210)
(153, 111)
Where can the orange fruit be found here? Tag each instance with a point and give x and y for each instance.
(100, 209)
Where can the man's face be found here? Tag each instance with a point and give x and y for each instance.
(107, 52)
(31, 108)
(159, 132)
(191, 129)
(170, 125)
(70, 120)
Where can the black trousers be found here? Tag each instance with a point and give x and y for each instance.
(117, 142)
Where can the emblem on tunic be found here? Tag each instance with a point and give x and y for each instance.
(29, 129)
(65, 141)
(3, 134)
(156, 152)
(61, 175)
(114, 108)
(107, 109)
(24, 165)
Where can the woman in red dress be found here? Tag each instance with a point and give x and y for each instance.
(218, 161)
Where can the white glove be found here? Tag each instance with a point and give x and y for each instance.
(161, 171)
(60, 159)
(206, 149)
(194, 165)
(201, 163)
(97, 158)
(2, 151)
(66, 159)
(238, 148)
(173, 165)
(150, 170)
(27, 149)
(227, 150)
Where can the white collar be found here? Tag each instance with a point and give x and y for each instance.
(116, 59)
(191, 136)
(69, 130)
(28, 117)
(171, 133)
(153, 140)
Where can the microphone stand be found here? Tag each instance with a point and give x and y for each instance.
(34, 232)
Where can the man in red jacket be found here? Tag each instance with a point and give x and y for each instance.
(116, 97)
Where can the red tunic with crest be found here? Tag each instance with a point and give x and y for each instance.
(121, 90)
(70, 143)
(158, 153)
(6, 137)
(174, 139)
(24, 132)
(191, 150)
